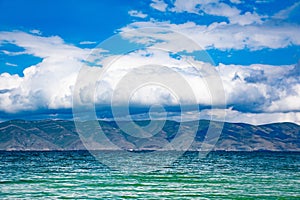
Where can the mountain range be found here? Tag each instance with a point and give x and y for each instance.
(50, 135)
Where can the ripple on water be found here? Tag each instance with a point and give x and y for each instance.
(221, 175)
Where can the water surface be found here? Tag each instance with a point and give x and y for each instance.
(221, 175)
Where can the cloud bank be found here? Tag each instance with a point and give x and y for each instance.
(257, 89)
(257, 93)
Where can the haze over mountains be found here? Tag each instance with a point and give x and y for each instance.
(48, 135)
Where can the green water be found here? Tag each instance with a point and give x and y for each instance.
(220, 175)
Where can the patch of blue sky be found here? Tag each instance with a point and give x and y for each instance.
(16, 64)
(116, 45)
(203, 56)
(10, 48)
(74, 22)
(269, 8)
(199, 19)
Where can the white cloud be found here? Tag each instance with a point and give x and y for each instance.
(232, 116)
(118, 68)
(216, 35)
(187, 6)
(159, 5)
(130, 64)
(87, 42)
(288, 99)
(255, 88)
(12, 53)
(261, 88)
(245, 19)
(36, 31)
(11, 64)
(233, 14)
(8, 82)
(236, 1)
(47, 84)
(43, 47)
(254, 118)
(135, 13)
(218, 8)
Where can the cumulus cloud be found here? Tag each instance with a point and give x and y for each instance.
(8, 82)
(261, 88)
(47, 84)
(248, 89)
(157, 60)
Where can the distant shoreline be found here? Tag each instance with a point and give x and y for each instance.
(146, 151)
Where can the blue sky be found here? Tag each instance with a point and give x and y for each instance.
(253, 45)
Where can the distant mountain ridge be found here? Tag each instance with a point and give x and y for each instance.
(49, 135)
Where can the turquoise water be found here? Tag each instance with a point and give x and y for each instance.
(220, 175)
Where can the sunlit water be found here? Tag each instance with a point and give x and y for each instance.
(220, 175)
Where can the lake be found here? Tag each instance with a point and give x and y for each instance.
(219, 175)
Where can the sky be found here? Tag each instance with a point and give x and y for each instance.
(252, 47)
